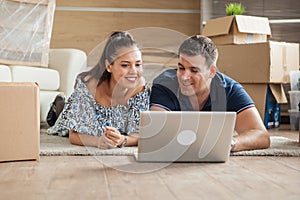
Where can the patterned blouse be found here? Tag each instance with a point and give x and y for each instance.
(84, 115)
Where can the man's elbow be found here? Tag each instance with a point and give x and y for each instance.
(266, 141)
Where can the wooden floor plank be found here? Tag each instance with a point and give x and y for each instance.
(293, 162)
(272, 172)
(88, 177)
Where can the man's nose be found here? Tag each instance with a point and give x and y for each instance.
(186, 75)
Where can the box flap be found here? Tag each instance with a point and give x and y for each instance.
(218, 26)
(252, 24)
(278, 92)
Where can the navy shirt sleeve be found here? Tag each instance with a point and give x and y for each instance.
(164, 91)
(163, 97)
(237, 98)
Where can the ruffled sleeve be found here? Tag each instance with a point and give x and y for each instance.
(81, 113)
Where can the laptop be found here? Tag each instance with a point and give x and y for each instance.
(185, 136)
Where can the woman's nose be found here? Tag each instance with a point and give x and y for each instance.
(133, 69)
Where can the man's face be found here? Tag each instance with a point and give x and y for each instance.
(193, 75)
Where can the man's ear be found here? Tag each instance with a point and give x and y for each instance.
(107, 65)
(213, 71)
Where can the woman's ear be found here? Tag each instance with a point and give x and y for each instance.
(107, 65)
(213, 71)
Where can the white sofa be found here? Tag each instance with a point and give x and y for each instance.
(59, 77)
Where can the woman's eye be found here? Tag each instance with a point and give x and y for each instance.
(124, 65)
(138, 65)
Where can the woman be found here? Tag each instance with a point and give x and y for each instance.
(104, 109)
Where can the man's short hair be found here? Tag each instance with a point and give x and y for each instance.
(200, 45)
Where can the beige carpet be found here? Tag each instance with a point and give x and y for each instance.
(59, 146)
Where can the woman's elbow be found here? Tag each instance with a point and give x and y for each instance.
(73, 138)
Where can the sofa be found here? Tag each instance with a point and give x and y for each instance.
(58, 78)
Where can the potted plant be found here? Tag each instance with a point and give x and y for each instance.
(234, 9)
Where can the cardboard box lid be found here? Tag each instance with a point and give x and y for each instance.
(245, 24)
(258, 91)
(278, 92)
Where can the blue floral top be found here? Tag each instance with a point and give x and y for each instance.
(84, 115)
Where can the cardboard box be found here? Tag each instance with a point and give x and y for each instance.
(237, 29)
(268, 62)
(19, 121)
(267, 99)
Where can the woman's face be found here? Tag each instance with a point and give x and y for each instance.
(126, 70)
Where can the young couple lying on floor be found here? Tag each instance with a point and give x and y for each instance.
(104, 108)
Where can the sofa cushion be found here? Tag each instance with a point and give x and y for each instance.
(69, 62)
(47, 79)
(5, 73)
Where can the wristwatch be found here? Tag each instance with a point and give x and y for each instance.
(233, 144)
(123, 143)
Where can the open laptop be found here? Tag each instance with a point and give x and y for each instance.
(185, 136)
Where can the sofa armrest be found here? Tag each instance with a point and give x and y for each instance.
(69, 63)
(5, 74)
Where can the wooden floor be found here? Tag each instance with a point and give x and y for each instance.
(119, 177)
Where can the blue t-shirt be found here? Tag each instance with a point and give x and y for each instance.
(225, 94)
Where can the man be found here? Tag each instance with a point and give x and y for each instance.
(196, 85)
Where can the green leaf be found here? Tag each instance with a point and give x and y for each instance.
(234, 9)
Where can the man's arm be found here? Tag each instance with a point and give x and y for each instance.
(157, 108)
(252, 133)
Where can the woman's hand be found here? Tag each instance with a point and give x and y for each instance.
(105, 143)
(114, 135)
(111, 138)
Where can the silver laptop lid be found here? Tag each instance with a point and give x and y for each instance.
(185, 136)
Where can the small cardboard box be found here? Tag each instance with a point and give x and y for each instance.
(237, 29)
(19, 121)
(267, 99)
(268, 62)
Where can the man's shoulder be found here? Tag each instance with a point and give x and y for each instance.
(167, 75)
(167, 79)
(225, 79)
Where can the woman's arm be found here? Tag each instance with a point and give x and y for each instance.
(132, 139)
(102, 142)
(111, 139)
(114, 135)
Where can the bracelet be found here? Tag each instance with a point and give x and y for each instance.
(123, 143)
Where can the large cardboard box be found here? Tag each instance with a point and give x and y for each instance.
(237, 29)
(19, 121)
(268, 62)
(267, 99)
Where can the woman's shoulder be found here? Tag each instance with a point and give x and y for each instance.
(90, 83)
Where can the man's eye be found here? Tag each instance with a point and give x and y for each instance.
(138, 65)
(124, 65)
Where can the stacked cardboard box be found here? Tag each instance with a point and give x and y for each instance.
(294, 95)
(260, 65)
